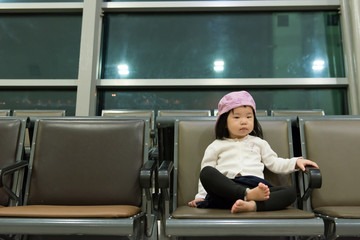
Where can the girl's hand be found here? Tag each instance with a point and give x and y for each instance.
(302, 163)
(193, 202)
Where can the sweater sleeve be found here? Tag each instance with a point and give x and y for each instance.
(274, 163)
(209, 159)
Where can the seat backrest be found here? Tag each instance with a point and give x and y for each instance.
(4, 113)
(131, 113)
(333, 143)
(193, 137)
(259, 112)
(39, 113)
(36, 113)
(170, 113)
(313, 112)
(165, 129)
(87, 161)
(12, 132)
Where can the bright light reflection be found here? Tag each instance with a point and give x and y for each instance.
(219, 66)
(318, 65)
(123, 69)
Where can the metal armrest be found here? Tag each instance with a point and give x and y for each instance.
(164, 179)
(314, 179)
(146, 173)
(8, 170)
(146, 182)
(11, 169)
(165, 170)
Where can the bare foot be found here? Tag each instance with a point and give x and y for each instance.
(260, 193)
(243, 206)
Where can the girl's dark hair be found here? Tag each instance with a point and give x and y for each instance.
(221, 130)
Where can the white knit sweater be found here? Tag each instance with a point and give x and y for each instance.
(246, 156)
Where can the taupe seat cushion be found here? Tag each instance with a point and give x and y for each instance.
(109, 211)
(340, 211)
(186, 212)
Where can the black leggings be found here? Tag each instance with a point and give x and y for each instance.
(224, 192)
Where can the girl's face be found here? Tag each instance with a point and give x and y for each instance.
(240, 122)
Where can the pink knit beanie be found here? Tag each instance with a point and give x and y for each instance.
(234, 100)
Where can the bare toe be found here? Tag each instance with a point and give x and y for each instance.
(263, 186)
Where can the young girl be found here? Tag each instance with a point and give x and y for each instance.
(231, 174)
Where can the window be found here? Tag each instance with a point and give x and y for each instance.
(40, 46)
(205, 45)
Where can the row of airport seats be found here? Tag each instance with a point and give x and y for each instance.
(159, 133)
(151, 115)
(201, 112)
(92, 176)
(115, 112)
(159, 152)
(277, 113)
(26, 113)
